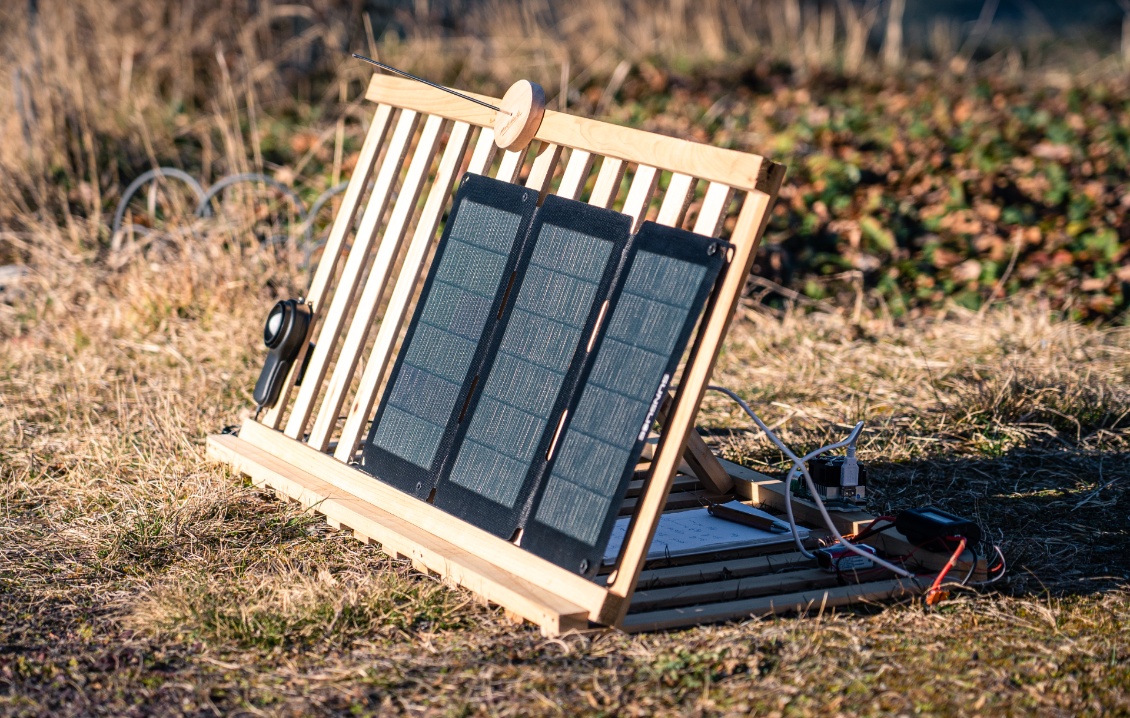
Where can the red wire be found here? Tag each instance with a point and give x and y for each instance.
(936, 587)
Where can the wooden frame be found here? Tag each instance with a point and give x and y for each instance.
(417, 147)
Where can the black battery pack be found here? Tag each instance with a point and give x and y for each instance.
(925, 525)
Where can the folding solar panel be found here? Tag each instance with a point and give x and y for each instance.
(445, 344)
(563, 280)
(668, 278)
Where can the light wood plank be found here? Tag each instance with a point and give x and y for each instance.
(365, 309)
(397, 310)
(696, 375)
(483, 154)
(334, 317)
(738, 169)
(732, 590)
(640, 192)
(398, 537)
(429, 519)
(716, 570)
(607, 182)
(541, 171)
(342, 225)
(511, 165)
(713, 212)
(815, 600)
(675, 200)
(576, 172)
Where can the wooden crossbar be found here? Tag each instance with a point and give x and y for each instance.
(420, 143)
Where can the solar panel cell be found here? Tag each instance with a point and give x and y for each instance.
(668, 279)
(444, 346)
(573, 255)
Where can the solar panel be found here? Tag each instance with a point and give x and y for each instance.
(564, 278)
(445, 345)
(668, 280)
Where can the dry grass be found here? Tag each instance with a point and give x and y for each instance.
(136, 577)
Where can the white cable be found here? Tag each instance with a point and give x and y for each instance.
(801, 464)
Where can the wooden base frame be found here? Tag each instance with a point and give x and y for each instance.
(419, 144)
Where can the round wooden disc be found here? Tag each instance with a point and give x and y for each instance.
(522, 108)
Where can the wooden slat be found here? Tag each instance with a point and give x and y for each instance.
(576, 172)
(541, 171)
(334, 317)
(675, 500)
(429, 519)
(639, 194)
(483, 154)
(511, 165)
(675, 200)
(342, 225)
(607, 182)
(713, 212)
(397, 310)
(716, 570)
(365, 309)
(731, 590)
(682, 483)
(702, 461)
(738, 169)
(696, 375)
(398, 537)
(816, 600)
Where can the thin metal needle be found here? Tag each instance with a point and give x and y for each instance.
(426, 82)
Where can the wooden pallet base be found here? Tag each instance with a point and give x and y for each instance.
(701, 590)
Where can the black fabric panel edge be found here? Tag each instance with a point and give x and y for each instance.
(382, 464)
(558, 547)
(605, 224)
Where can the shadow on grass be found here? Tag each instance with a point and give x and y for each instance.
(1060, 513)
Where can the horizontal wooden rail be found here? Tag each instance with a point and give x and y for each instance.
(739, 170)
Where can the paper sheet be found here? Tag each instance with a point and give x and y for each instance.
(686, 533)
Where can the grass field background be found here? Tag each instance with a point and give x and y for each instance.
(948, 262)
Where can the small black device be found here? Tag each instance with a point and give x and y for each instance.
(284, 334)
(929, 524)
(836, 484)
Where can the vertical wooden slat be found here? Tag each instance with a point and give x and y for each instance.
(576, 172)
(541, 171)
(676, 199)
(639, 194)
(483, 153)
(397, 309)
(351, 274)
(713, 210)
(365, 311)
(342, 224)
(607, 182)
(511, 165)
(751, 223)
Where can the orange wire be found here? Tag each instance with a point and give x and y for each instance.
(935, 594)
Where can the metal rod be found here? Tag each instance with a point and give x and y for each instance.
(426, 82)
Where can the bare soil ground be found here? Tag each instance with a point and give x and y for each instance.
(137, 577)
